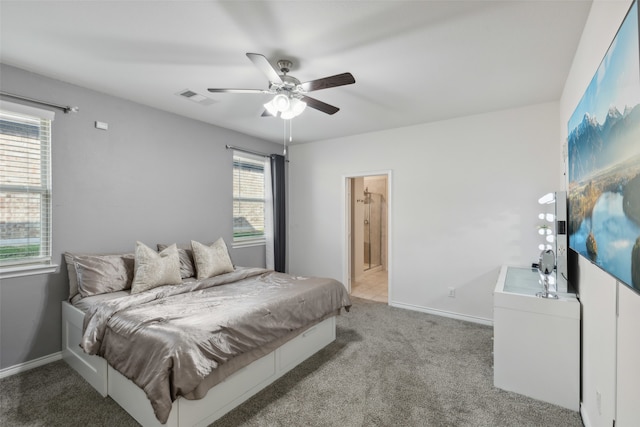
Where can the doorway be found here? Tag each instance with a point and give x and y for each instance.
(368, 214)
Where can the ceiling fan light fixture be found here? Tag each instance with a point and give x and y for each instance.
(298, 106)
(285, 107)
(295, 109)
(281, 102)
(271, 109)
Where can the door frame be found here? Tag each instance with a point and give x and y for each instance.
(347, 266)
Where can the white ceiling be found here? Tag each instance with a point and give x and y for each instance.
(413, 61)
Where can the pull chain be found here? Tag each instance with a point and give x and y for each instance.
(285, 138)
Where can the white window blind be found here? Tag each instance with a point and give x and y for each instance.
(25, 185)
(248, 199)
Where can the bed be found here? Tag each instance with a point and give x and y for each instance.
(187, 353)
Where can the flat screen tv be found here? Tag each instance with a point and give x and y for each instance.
(604, 161)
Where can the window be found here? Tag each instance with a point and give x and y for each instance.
(25, 188)
(248, 199)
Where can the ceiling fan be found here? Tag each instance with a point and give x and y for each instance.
(290, 95)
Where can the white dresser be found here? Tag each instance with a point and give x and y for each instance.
(536, 347)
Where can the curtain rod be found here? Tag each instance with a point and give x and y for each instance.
(244, 150)
(65, 108)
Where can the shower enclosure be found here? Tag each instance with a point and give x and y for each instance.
(373, 214)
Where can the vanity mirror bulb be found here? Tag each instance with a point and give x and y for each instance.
(544, 231)
(547, 199)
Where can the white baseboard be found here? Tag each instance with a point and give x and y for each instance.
(583, 415)
(443, 313)
(22, 367)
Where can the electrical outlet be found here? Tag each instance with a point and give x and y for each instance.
(452, 292)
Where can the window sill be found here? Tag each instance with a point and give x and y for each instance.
(27, 270)
(248, 244)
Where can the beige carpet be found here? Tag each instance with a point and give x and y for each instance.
(388, 367)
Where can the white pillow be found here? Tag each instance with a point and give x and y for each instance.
(211, 260)
(154, 269)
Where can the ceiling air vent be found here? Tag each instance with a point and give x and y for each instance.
(196, 97)
(188, 93)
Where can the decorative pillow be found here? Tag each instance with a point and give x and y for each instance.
(70, 259)
(187, 269)
(211, 260)
(102, 274)
(154, 269)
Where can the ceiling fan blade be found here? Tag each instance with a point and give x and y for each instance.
(263, 65)
(327, 82)
(214, 90)
(266, 113)
(319, 105)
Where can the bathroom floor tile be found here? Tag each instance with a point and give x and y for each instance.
(372, 285)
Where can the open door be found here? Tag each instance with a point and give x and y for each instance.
(367, 236)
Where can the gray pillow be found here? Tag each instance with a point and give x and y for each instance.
(154, 269)
(73, 275)
(70, 259)
(103, 273)
(211, 260)
(187, 269)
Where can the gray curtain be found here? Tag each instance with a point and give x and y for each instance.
(279, 211)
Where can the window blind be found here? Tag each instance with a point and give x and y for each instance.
(25, 185)
(248, 198)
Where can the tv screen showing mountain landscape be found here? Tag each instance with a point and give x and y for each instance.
(604, 161)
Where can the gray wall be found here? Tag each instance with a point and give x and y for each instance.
(153, 176)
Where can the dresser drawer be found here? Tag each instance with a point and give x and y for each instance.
(307, 343)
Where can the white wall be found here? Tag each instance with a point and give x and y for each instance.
(462, 202)
(627, 357)
(605, 337)
(598, 299)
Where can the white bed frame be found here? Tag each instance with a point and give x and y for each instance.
(221, 399)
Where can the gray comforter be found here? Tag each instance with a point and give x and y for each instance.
(170, 340)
